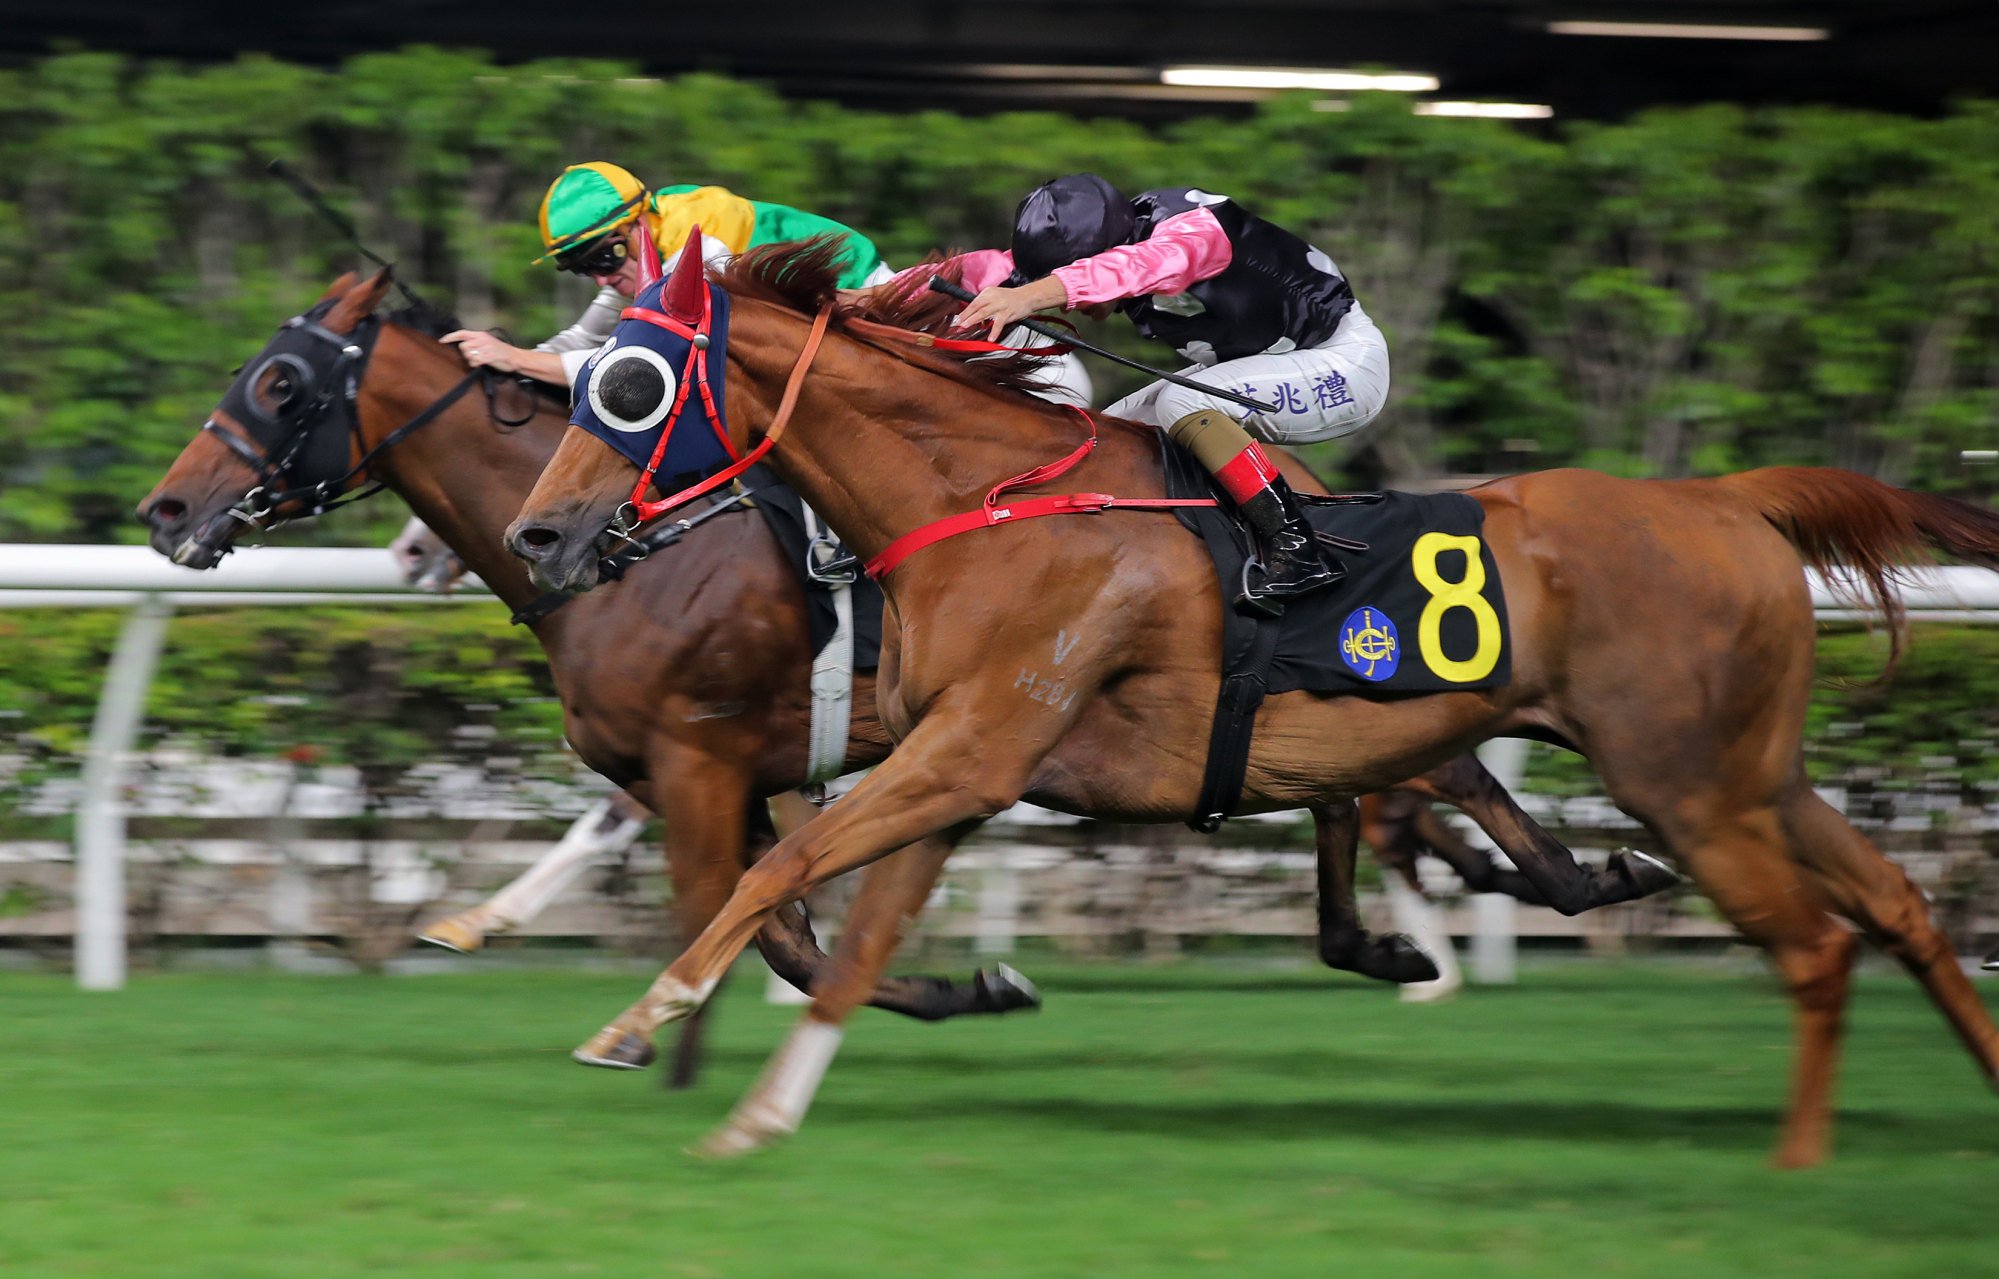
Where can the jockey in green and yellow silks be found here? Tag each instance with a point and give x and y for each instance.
(591, 222)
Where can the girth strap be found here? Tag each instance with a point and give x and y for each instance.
(1243, 688)
(832, 668)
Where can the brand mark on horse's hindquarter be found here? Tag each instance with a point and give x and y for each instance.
(1049, 692)
(1062, 650)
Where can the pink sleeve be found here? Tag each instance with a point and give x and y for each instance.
(982, 268)
(1183, 250)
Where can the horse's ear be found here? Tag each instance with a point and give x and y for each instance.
(339, 286)
(682, 298)
(648, 257)
(361, 300)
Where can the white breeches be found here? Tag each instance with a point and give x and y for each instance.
(1321, 392)
(1068, 381)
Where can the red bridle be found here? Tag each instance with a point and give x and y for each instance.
(696, 374)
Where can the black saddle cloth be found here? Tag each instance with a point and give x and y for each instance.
(784, 512)
(1363, 634)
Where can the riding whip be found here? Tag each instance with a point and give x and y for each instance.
(307, 192)
(952, 288)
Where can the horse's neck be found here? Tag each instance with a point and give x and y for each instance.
(461, 474)
(880, 447)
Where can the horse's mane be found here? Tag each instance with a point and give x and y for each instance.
(804, 277)
(434, 322)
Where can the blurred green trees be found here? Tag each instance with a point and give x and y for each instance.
(1685, 292)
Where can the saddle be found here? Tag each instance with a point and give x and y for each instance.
(1422, 610)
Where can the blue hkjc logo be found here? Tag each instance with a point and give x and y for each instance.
(1370, 645)
(625, 394)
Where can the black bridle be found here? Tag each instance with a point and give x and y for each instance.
(303, 470)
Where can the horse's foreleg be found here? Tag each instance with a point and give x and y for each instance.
(921, 790)
(1343, 943)
(710, 806)
(893, 891)
(1562, 882)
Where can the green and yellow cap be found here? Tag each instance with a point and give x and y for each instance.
(587, 201)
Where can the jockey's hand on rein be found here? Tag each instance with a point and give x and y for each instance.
(999, 306)
(483, 350)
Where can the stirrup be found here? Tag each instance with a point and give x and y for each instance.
(1251, 601)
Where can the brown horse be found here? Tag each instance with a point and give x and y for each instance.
(1661, 628)
(687, 685)
(684, 682)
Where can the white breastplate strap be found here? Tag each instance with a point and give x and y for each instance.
(832, 669)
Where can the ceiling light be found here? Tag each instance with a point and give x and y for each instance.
(1295, 78)
(1488, 110)
(1686, 31)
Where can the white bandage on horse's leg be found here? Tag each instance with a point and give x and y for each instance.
(558, 868)
(784, 1092)
(1422, 921)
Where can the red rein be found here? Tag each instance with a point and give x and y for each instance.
(990, 513)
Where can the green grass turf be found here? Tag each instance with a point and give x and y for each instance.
(1595, 1120)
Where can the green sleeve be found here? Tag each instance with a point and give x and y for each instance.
(777, 223)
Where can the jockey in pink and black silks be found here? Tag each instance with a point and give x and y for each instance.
(1258, 310)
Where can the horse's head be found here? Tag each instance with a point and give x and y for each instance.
(285, 429)
(424, 560)
(645, 404)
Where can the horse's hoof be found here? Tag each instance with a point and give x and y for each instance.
(616, 1049)
(1430, 992)
(1398, 959)
(1646, 873)
(1005, 989)
(455, 933)
(738, 1137)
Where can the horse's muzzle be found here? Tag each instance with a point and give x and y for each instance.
(557, 561)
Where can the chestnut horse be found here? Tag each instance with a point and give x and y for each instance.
(1661, 628)
(686, 681)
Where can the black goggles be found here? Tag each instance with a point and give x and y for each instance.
(602, 256)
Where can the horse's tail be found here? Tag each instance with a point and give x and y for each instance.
(1860, 532)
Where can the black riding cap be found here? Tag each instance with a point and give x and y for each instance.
(1066, 220)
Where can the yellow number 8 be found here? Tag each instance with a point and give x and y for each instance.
(1445, 596)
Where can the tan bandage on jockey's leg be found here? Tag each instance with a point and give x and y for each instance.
(1213, 437)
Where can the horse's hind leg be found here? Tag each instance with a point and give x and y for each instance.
(1552, 870)
(1474, 866)
(788, 945)
(606, 829)
(1343, 943)
(1873, 892)
(1742, 861)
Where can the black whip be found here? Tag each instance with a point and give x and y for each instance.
(309, 193)
(952, 288)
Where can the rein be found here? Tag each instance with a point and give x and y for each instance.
(637, 510)
(991, 513)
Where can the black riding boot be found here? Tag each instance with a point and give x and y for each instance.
(1291, 561)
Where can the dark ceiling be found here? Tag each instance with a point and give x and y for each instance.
(1103, 56)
